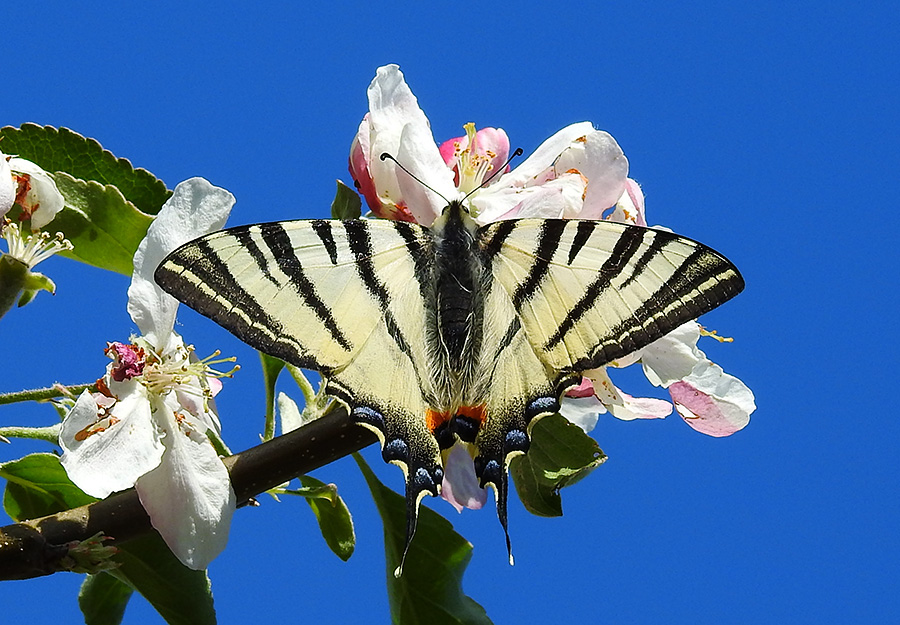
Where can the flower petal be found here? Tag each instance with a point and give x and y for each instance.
(111, 457)
(43, 199)
(630, 207)
(640, 408)
(622, 405)
(672, 357)
(7, 186)
(599, 159)
(399, 127)
(189, 497)
(582, 411)
(554, 199)
(545, 155)
(712, 401)
(493, 141)
(460, 487)
(195, 208)
(418, 153)
(291, 418)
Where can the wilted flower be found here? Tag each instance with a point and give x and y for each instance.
(147, 426)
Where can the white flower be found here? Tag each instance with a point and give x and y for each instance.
(33, 189)
(708, 399)
(147, 427)
(578, 172)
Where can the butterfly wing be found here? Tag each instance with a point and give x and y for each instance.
(568, 296)
(589, 292)
(346, 298)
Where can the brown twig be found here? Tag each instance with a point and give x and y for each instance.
(33, 548)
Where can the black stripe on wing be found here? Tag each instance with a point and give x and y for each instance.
(197, 275)
(282, 250)
(677, 301)
(360, 244)
(626, 247)
(322, 227)
(548, 242)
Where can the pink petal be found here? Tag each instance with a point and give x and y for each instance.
(460, 487)
(712, 401)
(487, 140)
(450, 148)
(584, 389)
(630, 207)
(359, 167)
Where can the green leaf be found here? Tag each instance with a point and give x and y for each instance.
(271, 368)
(103, 599)
(181, 595)
(560, 455)
(331, 512)
(13, 275)
(103, 226)
(346, 204)
(57, 150)
(37, 485)
(430, 590)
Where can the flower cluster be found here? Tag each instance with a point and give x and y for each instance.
(579, 172)
(150, 421)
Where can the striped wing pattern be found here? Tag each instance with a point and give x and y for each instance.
(567, 296)
(588, 292)
(342, 297)
(356, 300)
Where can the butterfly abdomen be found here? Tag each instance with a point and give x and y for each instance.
(459, 300)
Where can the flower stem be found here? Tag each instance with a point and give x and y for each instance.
(49, 433)
(309, 394)
(40, 394)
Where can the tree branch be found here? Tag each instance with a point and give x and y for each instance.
(35, 547)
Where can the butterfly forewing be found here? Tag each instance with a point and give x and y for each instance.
(344, 298)
(588, 292)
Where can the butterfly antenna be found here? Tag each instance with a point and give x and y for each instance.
(385, 156)
(517, 153)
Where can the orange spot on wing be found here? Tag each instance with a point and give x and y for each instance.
(479, 413)
(435, 419)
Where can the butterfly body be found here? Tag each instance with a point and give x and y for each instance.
(453, 332)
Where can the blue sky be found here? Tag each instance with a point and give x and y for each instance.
(766, 130)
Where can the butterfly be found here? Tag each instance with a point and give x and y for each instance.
(454, 332)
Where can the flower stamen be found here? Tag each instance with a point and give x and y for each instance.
(35, 248)
(472, 166)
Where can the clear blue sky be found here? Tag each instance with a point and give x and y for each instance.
(767, 130)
